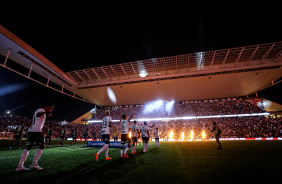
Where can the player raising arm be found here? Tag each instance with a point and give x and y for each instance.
(217, 133)
(106, 124)
(35, 136)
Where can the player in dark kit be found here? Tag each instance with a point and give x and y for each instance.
(18, 135)
(63, 135)
(48, 136)
(74, 136)
(94, 136)
(217, 133)
(85, 135)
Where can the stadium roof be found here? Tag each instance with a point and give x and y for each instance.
(203, 75)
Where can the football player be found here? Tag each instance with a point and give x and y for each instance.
(135, 130)
(74, 136)
(94, 136)
(48, 136)
(217, 133)
(145, 135)
(63, 135)
(156, 134)
(85, 135)
(106, 125)
(35, 136)
(125, 134)
(18, 135)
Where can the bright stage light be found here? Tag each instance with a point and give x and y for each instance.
(182, 136)
(111, 95)
(143, 73)
(169, 106)
(192, 135)
(153, 106)
(129, 134)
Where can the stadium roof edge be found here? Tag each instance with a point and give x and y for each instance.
(43, 62)
(232, 59)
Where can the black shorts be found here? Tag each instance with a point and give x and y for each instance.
(125, 138)
(134, 139)
(35, 139)
(106, 138)
(74, 138)
(62, 137)
(18, 137)
(48, 137)
(157, 139)
(145, 139)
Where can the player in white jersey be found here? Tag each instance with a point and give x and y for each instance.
(106, 124)
(145, 135)
(35, 136)
(135, 130)
(156, 134)
(125, 134)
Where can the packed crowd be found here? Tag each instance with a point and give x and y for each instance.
(8, 124)
(180, 109)
(251, 126)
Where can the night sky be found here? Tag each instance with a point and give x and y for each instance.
(99, 38)
(102, 36)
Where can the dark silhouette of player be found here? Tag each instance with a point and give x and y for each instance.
(74, 136)
(85, 135)
(48, 136)
(63, 135)
(217, 133)
(18, 135)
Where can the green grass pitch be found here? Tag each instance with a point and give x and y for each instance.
(172, 162)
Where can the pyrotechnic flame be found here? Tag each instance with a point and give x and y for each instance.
(170, 135)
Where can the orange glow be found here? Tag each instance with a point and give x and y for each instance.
(171, 134)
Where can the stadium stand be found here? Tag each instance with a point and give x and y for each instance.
(251, 126)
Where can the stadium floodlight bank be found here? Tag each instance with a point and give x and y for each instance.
(190, 117)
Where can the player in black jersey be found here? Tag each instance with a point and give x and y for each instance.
(18, 135)
(48, 136)
(63, 135)
(74, 136)
(85, 135)
(94, 136)
(217, 133)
